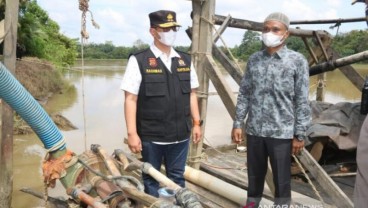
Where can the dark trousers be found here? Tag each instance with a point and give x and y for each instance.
(259, 149)
(174, 158)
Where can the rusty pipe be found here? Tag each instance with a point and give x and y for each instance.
(79, 194)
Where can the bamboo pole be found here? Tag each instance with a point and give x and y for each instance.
(355, 78)
(346, 20)
(219, 187)
(332, 65)
(6, 131)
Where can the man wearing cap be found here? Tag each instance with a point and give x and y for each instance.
(273, 95)
(161, 107)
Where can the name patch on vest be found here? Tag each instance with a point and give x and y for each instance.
(154, 71)
(186, 69)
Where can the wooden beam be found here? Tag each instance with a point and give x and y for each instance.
(313, 58)
(222, 28)
(6, 131)
(348, 71)
(228, 65)
(203, 11)
(222, 88)
(346, 20)
(336, 194)
(258, 26)
(343, 64)
(320, 95)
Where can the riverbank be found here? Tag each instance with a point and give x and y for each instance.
(42, 80)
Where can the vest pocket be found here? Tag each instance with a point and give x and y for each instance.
(184, 78)
(152, 123)
(155, 85)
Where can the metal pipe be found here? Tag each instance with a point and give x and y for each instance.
(79, 194)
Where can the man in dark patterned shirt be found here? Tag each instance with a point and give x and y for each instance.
(273, 95)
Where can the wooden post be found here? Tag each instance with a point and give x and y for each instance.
(6, 131)
(203, 12)
(320, 96)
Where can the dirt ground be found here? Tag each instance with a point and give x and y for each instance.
(39, 77)
(42, 80)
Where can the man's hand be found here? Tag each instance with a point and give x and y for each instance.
(134, 143)
(197, 134)
(237, 135)
(297, 146)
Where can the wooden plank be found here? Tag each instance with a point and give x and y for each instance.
(6, 131)
(228, 65)
(222, 28)
(221, 85)
(335, 193)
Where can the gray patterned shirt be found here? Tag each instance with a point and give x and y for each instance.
(274, 95)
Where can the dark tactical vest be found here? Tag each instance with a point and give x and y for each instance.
(163, 112)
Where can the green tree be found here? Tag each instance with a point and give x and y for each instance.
(183, 48)
(350, 43)
(250, 44)
(41, 37)
(296, 44)
(139, 45)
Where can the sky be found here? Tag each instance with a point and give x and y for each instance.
(123, 22)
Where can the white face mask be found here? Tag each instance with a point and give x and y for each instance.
(167, 38)
(271, 40)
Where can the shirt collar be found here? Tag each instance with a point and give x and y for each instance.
(281, 53)
(159, 53)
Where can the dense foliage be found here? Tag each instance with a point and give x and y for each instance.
(41, 37)
(251, 43)
(351, 43)
(108, 51)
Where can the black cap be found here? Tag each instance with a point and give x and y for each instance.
(163, 18)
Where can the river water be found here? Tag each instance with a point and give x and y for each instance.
(95, 107)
